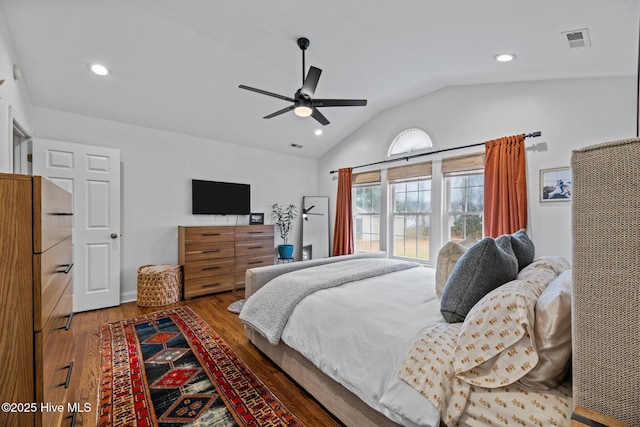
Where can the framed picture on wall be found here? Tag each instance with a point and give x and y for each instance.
(555, 184)
(256, 218)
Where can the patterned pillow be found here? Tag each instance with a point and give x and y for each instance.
(496, 345)
(485, 266)
(447, 258)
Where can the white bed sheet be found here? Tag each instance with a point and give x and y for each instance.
(386, 315)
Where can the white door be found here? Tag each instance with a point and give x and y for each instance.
(92, 175)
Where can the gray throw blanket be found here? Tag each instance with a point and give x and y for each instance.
(267, 311)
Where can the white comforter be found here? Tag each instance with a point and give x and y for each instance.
(360, 333)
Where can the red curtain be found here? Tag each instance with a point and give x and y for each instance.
(343, 230)
(505, 186)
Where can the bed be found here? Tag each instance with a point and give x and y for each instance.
(357, 344)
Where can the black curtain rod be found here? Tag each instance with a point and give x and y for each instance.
(526, 135)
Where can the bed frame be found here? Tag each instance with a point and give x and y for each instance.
(336, 399)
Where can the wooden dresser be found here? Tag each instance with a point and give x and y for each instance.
(215, 258)
(36, 302)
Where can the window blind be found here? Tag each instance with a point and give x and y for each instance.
(409, 171)
(366, 177)
(463, 163)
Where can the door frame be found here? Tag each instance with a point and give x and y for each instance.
(19, 129)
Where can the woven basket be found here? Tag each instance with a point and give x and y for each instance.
(159, 285)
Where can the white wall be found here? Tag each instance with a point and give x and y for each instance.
(157, 168)
(570, 113)
(14, 99)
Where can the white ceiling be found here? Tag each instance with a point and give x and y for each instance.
(176, 64)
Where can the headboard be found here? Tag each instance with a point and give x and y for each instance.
(606, 279)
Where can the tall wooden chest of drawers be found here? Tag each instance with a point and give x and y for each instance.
(215, 258)
(36, 345)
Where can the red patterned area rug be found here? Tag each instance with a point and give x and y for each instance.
(170, 368)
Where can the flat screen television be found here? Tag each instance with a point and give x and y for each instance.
(220, 198)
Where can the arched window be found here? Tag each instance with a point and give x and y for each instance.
(410, 141)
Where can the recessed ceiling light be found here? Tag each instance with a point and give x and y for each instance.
(317, 132)
(505, 57)
(99, 69)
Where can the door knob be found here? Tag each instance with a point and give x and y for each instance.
(114, 235)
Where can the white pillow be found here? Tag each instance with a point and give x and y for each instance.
(552, 333)
(447, 258)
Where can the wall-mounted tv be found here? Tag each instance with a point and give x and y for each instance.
(220, 198)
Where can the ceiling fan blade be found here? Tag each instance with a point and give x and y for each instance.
(319, 117)
(339, 102)
(277, 113)
(311, 81)
(264, 92)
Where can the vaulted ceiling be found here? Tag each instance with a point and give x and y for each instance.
(176, 65)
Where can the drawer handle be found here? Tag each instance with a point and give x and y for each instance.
(67, 268)
(210, 234)
(67, 325)
(211, 251)
(256, 247)
(62, 213)
(256, 262)
(256, 232)
(70, 369)
(211, 268)
(212, 285)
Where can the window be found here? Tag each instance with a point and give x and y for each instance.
(410, 140)
(410, 210)
(464, 204)
(366, 215)
(410, 217)
(366, 210)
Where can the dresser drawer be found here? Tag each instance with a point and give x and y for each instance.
(255, 247)
(208, 268)
(52, 214)
(205, 251)
(52, 271)
(54, 353)
(242, 265)
(251, 232)
(207, 285)
(211, 234)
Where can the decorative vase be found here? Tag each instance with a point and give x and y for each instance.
(285, 251)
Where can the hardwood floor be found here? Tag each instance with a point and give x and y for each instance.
(212, 309)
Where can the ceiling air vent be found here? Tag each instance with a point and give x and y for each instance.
(577, 38)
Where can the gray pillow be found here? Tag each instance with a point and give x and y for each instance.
(485, 266)
(522, 247)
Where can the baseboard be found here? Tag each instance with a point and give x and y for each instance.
(128, 296)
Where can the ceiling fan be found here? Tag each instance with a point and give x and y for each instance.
(307, 212)
(303, 103)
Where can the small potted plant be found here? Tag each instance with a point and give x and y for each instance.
(284, 216)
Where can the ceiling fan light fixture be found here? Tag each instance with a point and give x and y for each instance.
(504, 57)
(99, 69)
(303, 111)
